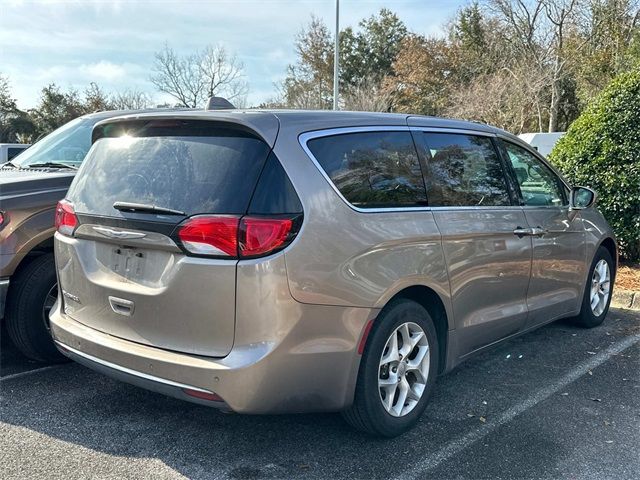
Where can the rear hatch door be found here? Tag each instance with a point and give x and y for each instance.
(124, 272)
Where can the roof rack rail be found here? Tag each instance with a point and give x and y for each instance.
(219, 103)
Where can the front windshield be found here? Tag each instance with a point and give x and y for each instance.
(67, 145)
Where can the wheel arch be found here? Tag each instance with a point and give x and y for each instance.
(610, 244)
(42, 248)
(431, 301)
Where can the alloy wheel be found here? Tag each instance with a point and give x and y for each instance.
(600, 287)
(404, 369)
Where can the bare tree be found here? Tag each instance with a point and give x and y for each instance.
(557, 11)
(608, 29)
(524, 18)
(505, 98)
(537, 30)
(223, 73)
(131, 100)
(191, 79)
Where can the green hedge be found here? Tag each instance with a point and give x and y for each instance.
(602, 150)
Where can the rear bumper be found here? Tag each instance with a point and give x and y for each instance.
(149, 382)
(4, 288)
(303, 371)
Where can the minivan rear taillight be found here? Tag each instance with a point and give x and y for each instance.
(260, 236)
(209, 235)
(237, 237)
(66, 220)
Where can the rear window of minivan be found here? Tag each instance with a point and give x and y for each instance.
(215, 172)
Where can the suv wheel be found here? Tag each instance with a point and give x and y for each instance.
(597, 293)
(397, 372)
(32, 293)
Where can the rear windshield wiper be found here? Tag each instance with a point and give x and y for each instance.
(52, 165)
(141, 207)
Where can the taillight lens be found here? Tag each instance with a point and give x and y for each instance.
(66, 220)
(236, 237)
(209, 235)
(260, 236)
(4, 218)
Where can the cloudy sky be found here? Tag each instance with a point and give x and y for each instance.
(112, 43)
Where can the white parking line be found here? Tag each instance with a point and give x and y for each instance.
(28, 372)
(459, 444)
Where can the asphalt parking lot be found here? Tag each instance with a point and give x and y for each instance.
(560, 402)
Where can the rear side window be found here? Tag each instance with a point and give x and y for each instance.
(372, 169)
(464, 170)
(274, 193)
(216, 173)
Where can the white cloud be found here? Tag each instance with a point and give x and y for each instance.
(104, 70)
(277, 54)
(74, 42)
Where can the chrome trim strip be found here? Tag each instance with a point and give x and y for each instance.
(128, 371)
(464, 131)
(305, 137)
(328, 132)
(119, 234)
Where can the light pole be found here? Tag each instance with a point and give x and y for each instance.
(336, 57)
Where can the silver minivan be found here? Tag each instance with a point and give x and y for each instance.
(292, 261)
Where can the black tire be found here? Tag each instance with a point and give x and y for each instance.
(587, 318)
(367, 412)
(25, 316)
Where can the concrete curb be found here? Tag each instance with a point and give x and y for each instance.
(628, 299)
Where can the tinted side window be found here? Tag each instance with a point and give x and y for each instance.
(464, 170)
(538, 184)
(274, 193)
(372, 169)
(13, 152)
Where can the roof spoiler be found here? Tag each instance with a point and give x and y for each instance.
(219, 103)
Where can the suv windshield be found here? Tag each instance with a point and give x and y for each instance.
(66, 146)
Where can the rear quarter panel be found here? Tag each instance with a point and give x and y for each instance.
(345, 257)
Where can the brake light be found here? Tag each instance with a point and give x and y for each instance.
(4, 218)
(209, 235)
(263, 235)
(66, 220)
(234, 236)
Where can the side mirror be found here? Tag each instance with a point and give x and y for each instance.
(582, 197)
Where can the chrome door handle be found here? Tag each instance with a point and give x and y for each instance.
(523, 232)
(538, 231)
(530, 232)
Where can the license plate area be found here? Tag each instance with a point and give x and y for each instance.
(128, 262)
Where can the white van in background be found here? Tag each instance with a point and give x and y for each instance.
(542, 142)
(9, 151)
